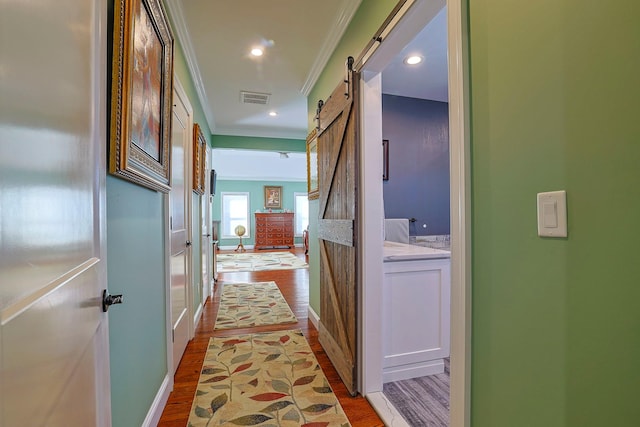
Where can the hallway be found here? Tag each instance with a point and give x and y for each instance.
(294, 285)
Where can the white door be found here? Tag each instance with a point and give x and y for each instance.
(206, 230)
(178, 224)
(54, 366)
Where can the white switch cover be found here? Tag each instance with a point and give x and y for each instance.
(552, 214)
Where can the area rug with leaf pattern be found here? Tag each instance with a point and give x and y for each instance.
(258, 261)
(244, 305)
(265, 379)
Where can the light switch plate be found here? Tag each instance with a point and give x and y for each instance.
(552, 214)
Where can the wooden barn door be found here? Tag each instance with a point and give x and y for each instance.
(338, 164)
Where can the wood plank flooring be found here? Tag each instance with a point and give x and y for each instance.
(424, 401)
(294, 285)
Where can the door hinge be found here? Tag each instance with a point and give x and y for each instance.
(170, 223)
(173, 335)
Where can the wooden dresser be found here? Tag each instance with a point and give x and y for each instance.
(274, 229)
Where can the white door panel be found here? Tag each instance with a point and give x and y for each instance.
(54, 367)
(179, 228)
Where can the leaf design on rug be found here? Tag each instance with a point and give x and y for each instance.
(292, 415)
(242, 367)
(218, 402)
(232, 342)
(203, 412)
(276, 406)
(215, 379)
(253, 382)
(318, 408)
(271, 357)
(250, 420)
(241, 358)
(322, 390)
(266, 397)
(280, 386)
(284, 339)
(304, 380)
(209, 370)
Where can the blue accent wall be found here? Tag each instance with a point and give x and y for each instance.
(135, 268)
(418, 185)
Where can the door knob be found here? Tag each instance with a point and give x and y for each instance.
(109, 300)
(188, 243)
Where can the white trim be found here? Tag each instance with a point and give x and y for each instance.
(386, 411)
(174, 7)
(459, 132)
(343, 18)
(197, 315)
(167, 286)
(372, 214)
(159, 402)
(313, 316)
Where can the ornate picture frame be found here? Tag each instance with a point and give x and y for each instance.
(199, 144)
(312, 165)
(272, 197)
(141, 93)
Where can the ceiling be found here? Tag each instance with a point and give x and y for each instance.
(298, 37)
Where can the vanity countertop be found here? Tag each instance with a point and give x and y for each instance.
(394, 251)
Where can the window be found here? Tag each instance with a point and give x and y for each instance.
(302, 212)
(235, 211)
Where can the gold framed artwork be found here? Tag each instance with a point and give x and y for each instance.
(199, 144)
(142, 84)
(272, 197)
(312, 165)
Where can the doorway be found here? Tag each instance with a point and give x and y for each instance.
(414, 20)
(180, 260)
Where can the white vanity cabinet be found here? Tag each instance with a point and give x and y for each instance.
(416, 312)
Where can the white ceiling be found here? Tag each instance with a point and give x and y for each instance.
(298, 36)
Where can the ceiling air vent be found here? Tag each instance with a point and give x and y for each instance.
(254, 97)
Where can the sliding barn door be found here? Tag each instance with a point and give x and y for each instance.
(338, 163)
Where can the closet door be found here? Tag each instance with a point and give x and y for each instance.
(338, 164)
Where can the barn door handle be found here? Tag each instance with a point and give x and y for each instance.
(109, 300)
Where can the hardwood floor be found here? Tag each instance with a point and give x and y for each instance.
(294, 285)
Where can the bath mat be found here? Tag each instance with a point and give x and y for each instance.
(265, 379)
(243, 305)
(259, 261)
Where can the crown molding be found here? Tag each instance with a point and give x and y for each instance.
(343, 18)
(174, 7)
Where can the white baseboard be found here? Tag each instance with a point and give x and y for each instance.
(313, 316)
(412, 370)
(155, 412)
(228, 248)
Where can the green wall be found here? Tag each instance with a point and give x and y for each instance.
(556, 322)
(259, 143)
(256, 202)
(136, 254)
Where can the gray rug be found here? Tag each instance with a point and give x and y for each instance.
(423, 402)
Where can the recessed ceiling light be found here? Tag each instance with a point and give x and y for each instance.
(273, 113)
(413, 60)
(256, 51)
